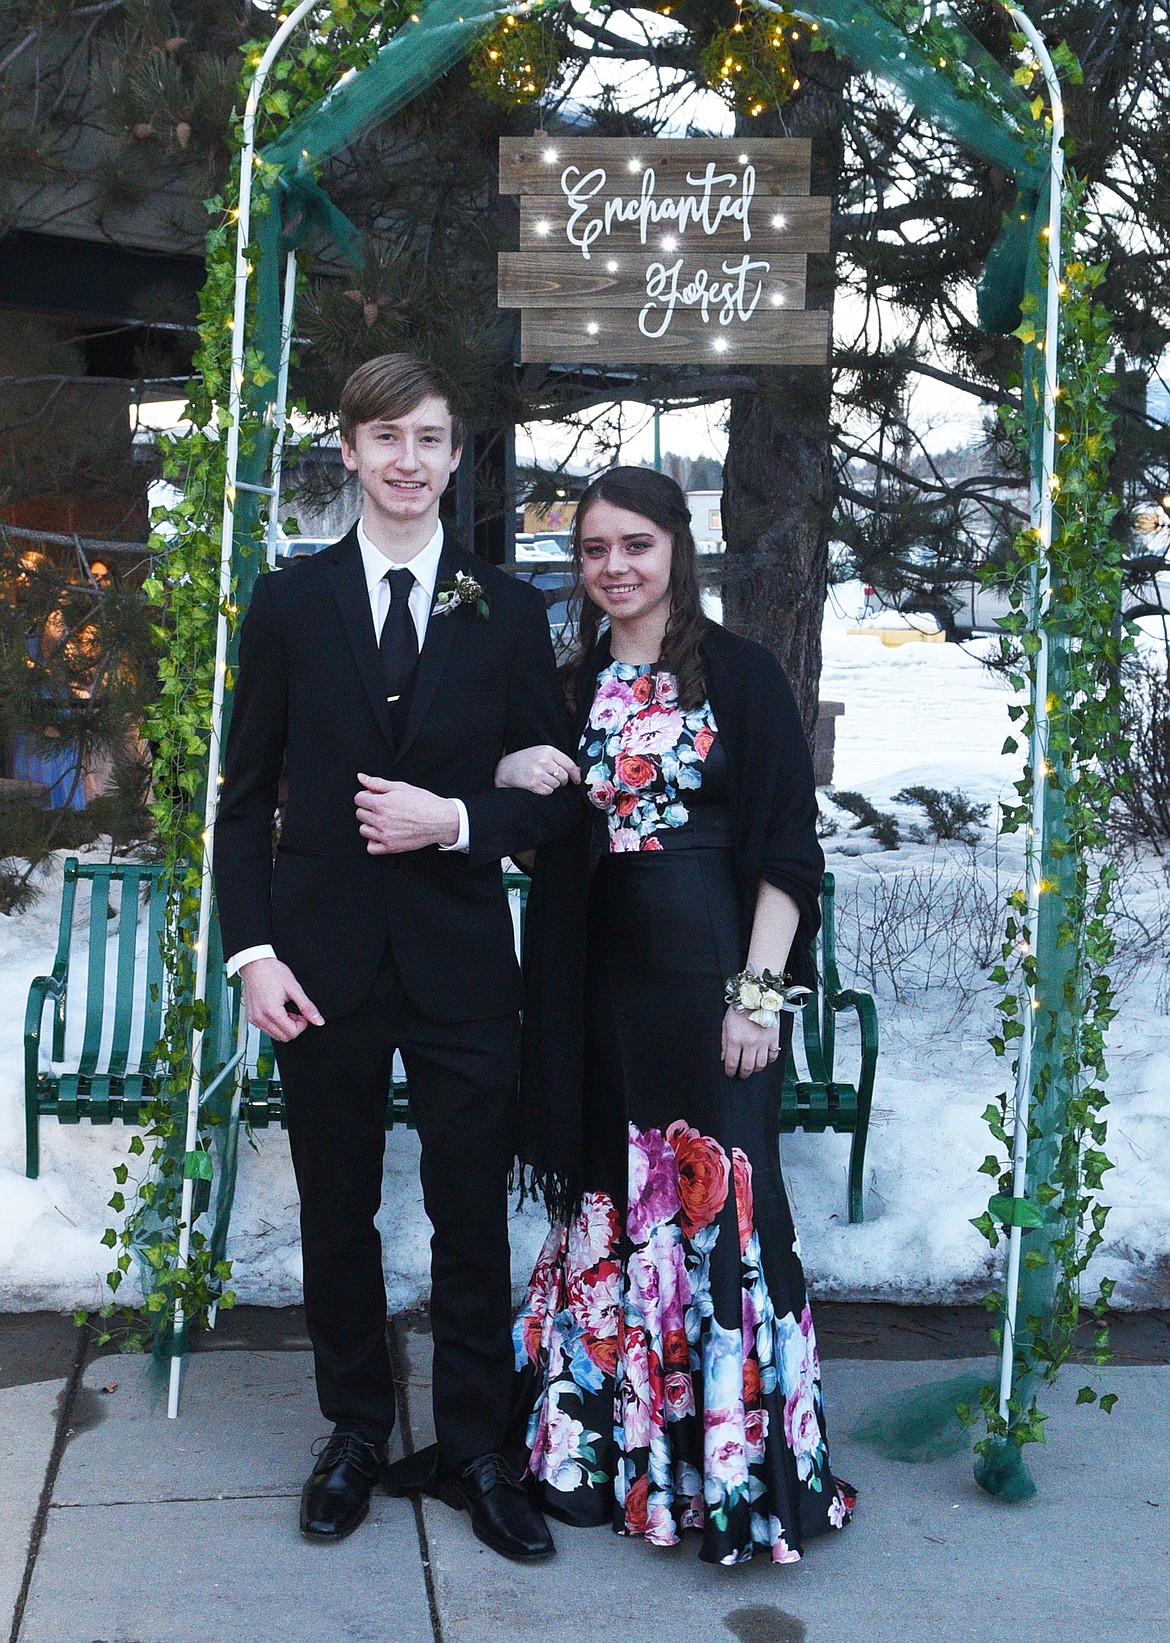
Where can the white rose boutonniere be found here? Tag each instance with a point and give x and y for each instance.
(463, 591)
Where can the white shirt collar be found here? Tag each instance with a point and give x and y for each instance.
(424, 565)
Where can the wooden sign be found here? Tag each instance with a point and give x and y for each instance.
(641, 251)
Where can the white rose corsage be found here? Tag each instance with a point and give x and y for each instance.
(762, 998)
(464, 590)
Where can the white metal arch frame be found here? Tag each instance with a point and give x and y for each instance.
(1042, 512)
(215, 752)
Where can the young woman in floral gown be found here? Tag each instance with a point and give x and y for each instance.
(666, 1345)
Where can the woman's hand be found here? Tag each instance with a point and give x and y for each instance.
(747, 1048)
(537, 770)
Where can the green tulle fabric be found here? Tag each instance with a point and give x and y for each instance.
(924, 1423)
(1004, 1473)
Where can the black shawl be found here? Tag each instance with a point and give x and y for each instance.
(774, 814)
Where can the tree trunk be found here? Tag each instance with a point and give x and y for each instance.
(778, 486)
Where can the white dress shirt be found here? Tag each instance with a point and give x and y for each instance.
(425, 569)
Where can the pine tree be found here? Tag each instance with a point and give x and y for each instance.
(813, 457)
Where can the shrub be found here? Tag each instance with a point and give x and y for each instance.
(949, 815)
(883, 827)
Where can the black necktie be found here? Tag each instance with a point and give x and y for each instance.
(398, 643)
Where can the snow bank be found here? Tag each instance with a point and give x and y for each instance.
(924, 714)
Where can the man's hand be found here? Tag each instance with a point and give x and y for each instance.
(747, 1048)
(275, 1002)
(394, 817)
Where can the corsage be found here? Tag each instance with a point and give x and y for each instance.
(764, 997)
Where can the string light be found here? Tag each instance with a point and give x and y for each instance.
(593, 328)
(779, 221)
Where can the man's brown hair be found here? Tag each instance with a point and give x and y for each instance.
(393, 385)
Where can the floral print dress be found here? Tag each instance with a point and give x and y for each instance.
(666, 1343)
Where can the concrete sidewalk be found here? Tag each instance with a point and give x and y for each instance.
(119, 1526)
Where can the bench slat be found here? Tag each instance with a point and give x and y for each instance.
(95, 975)
(126, 957)
(152, 1021)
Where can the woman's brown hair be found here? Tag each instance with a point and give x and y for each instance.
(660, 499)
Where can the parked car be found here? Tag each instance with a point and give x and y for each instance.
(556, 585)
(963, 610)
(289, 548)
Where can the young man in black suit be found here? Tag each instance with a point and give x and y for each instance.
(386, 697)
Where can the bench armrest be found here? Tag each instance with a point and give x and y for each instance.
(848, 998)
(41, 989)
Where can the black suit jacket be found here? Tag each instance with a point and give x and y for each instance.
(310, 700)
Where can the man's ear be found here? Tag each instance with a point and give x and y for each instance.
(456, 459)
(348, 455)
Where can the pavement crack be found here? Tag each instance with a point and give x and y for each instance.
(65, 1408)
(424, 1549)
(171, 1500)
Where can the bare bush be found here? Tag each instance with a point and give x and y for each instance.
(937, 924)
(1139, 771)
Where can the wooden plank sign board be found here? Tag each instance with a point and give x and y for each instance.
(663, 250)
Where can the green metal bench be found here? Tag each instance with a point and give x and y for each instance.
(111, 1074)
(108, 1074)
(817, 1103)
(822, 1102)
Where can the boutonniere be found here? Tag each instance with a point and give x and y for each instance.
(464, 590)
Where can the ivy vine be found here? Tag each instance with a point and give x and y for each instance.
(1085, 730)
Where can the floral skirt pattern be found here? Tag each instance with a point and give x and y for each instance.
(669, 1385)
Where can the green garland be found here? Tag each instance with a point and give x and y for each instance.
(185, 594)
(1085, 729)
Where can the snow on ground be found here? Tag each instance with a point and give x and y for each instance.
(916, 927)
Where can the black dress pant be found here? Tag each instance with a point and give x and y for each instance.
(462, 1079)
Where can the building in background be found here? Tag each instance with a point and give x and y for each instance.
(707, 520)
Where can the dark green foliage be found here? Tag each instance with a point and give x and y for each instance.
(949, 815)
(882, 825)
(77, 667)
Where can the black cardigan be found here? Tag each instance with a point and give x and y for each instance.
(774, 814)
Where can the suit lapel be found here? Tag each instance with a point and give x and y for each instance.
(347, 581)
(437, 645)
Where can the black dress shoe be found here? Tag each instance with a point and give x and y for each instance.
(502, 1515)
(336, 1496)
